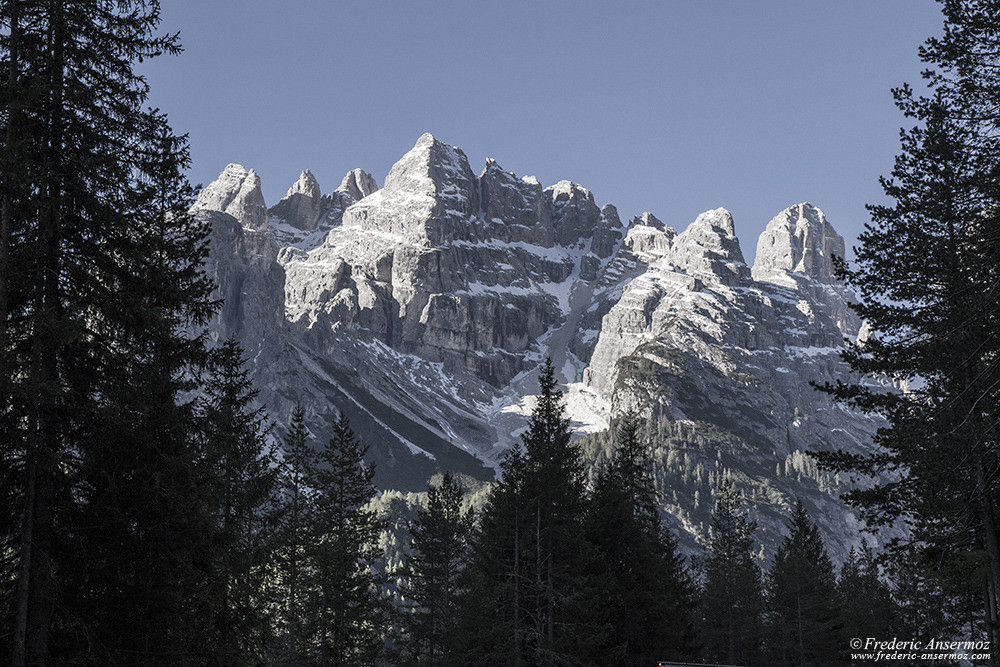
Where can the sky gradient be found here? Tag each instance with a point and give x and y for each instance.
(672, 107)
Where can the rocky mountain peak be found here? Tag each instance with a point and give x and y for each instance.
(574, 213)
(648, 237)
(608, 233)
(514, 208)
(430, 196)
(306, 185)
(422, 310)
(709, 249)
(300, 208)
(798, 240)
(236, 192)
(358, 183)
(429, 168)
(647, 219)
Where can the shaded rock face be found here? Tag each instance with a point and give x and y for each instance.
(514, 209)
(249, 281)
(424, 308)
(573, 211)
(300, 208)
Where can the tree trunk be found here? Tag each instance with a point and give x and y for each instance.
(6, 225)
(990, 537)
(991, 618)
(517, 583)
(36, 606)
(24, 569)
(539, 587)
(7, 206)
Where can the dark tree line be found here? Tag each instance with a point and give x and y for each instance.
(483, 590)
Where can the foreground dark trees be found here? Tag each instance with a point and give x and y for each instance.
(568, 574)
(440, 540)
(99, 267)
(646, 593)
(731, 609)
(344, 597)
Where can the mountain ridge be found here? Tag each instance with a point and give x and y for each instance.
(437, 296)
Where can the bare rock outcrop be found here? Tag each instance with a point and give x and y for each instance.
(236, 192)
(300, 208)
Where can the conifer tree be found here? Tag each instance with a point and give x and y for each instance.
(928, 271)
(645, 595)
(924, 601)
(552, 531)
(731, 609)
(867, 606)
(239, 483)
(345, 611)
(90, 186)
(136, 509)
(803, 615)
(293, 536)
(531, 573)
(494, 591)
(434, 573)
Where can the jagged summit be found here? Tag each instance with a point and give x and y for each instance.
(307, 185)
(800, 240)
(358, 183)
(428, 167)
(647, 219)
(236, 192)
(300, 208)
(709, 249)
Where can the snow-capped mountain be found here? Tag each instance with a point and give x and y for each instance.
(423, 309)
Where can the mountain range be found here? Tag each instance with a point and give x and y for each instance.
(423, 309)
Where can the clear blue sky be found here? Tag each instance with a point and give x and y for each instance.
(669, 106)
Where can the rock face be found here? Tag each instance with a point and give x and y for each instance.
(300, 208)
(236, 192)
(424, 308)
(696, 338)
(798, 240)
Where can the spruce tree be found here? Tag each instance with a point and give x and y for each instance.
(136, 513)
(292, 537)
(867, 606)
(494, 592)
(433, 572)
(645, 596)
(803, 614)
(346, 614)
(555, 550)
(927, 272)
(82, 240)
(730, 613)
(532, 568)
(239, 483)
